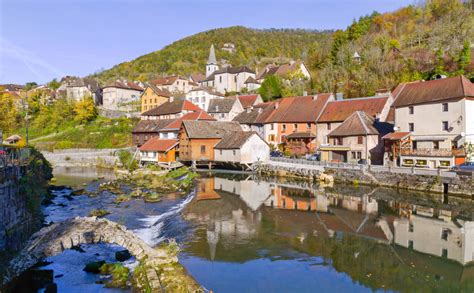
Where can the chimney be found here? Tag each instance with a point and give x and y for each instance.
(249, 109)
(339, 96)
(315, 97)
(305, 93)
(171, 99)
(276, 105)
(260, 110)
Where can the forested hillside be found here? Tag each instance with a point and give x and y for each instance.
(412, 43)
(189, 55)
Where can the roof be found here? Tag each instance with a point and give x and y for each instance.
(124, 85)
(159, 145)
(173, 107)
(229, 69)
(165, 80)
(200, 115)
(221, 105)
(358, 123)
(306, 134)
(298, 109)
(256, 115)
(340, 110)
(11, 87)
(151, 125)
(434, 91)
(246, 100)
(207, 90)
(210, 129)
(234, 140)
(280, 70)
(251, 80)
(90, 83)
(396, 135)
(212, 56)
(197, 77)
(159, 91)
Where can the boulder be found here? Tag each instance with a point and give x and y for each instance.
(51, 288)
(122, 255)
(94, 267)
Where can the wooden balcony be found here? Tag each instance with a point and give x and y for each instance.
(434, 153)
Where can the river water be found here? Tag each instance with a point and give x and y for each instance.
(241, 233)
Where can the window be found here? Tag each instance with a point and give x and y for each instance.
(410, 244)
(360, 140)
(411, 110)
(444, 233)
(295, 126)
(283, 128)
(338, 141)
(235, 78)
(203, 149)
(308, 126)
(220, 78)
(444, 253)
(445, 107)
(415, 145)
(272, 127)
(410, 227)
(155, 101)
(445, 126)
(359, 155)
(220, 152)
(411, 126)
(329, 126)
(234, 152)
(436, 145)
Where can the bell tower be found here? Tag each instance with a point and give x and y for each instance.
(211, 65)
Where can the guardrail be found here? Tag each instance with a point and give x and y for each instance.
(372, 168)
(12, 156)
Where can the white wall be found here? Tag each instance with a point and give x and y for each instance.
(469, 115)
(201, 98)
(119, 99)
(254, 150)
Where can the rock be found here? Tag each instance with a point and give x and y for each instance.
(41, 278)
(46, 202)
(78, 192)
(122, 255)
(51, 288)
(59, 276)
(93, 267)
(78, 249)
(68, 197)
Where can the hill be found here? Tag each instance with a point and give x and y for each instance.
(189, 55)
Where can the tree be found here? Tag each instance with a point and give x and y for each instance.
(54, 84)
(30, 85)
(272, 88)
(85, 110)
(464, 58)
(10, 115)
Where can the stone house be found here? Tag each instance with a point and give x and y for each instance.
(439, 115)
(82, 87)
(153, 97)
(173, 84)
(202, 97)
(253, 118)
(123, 96)
(358, 139)
(242, 148)
(225, 109)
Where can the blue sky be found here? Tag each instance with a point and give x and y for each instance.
(44, 39)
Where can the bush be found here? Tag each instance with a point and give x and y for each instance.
(127, 161)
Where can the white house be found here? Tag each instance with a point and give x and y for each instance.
(225, 109)
(241, 148)
(82, 87)
(122, 96)
(439, 116)
(202, 96)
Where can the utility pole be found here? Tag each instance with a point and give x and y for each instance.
(25, 107)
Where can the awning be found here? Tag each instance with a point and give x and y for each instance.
(334, 148)
(396, 135)
(429, 138)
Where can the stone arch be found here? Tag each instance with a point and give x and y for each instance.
(54, 239)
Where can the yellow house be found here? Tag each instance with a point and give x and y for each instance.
(153, 97)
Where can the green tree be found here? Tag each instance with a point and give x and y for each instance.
(272, 88)
(9, 113)
(30, 85)
(54, 84)
(464, 58)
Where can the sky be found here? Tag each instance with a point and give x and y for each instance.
(45, 39)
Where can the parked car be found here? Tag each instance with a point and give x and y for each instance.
(312, 157)
(276, 154)
(466, 167)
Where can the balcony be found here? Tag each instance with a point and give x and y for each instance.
(433, 152)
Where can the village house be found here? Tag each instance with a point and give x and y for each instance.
(79, 88)
(293, 122)
(202, 96)
(296, 68)
(248, 101)
(198, 138)
(172, 109)
(171, 130)
(336, 112)
(173, 84)
(253, 118)
(227, 79)
(147, 129)
(225, 109)
(251, 84)
(153, 97)
(159, 151)
(123, 96)
(241, 148)
(439, 117)
(357, 140)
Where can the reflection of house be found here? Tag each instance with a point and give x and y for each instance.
(153, 97)
(205, 189)
(437, 141)
(157, 150)
(445, 238)
(253, 193)
(357, 138)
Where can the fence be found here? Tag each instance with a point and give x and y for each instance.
(12, 156)
(371, 168)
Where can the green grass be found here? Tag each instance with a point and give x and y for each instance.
(102, 133)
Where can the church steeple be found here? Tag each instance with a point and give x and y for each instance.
(211, 65)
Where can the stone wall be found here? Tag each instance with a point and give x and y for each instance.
(82, 157)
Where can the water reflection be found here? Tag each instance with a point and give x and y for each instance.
(378, 238)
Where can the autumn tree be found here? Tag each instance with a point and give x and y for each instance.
(272, 88)
(9, 113)
(85, 110)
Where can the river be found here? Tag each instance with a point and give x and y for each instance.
(241, 233)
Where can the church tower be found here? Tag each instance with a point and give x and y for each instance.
(211, 65)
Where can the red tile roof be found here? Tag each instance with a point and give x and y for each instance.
(338, 111)
(167, 80)
(396, 135)
(248, 100)
(124, 85)
(158, 145)
(434, 91)
(200, 115)
(304, 109)
(356, 124)
(173, 107)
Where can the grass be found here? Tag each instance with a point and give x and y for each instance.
(98, 213)
(119, 275)
(102, 133)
